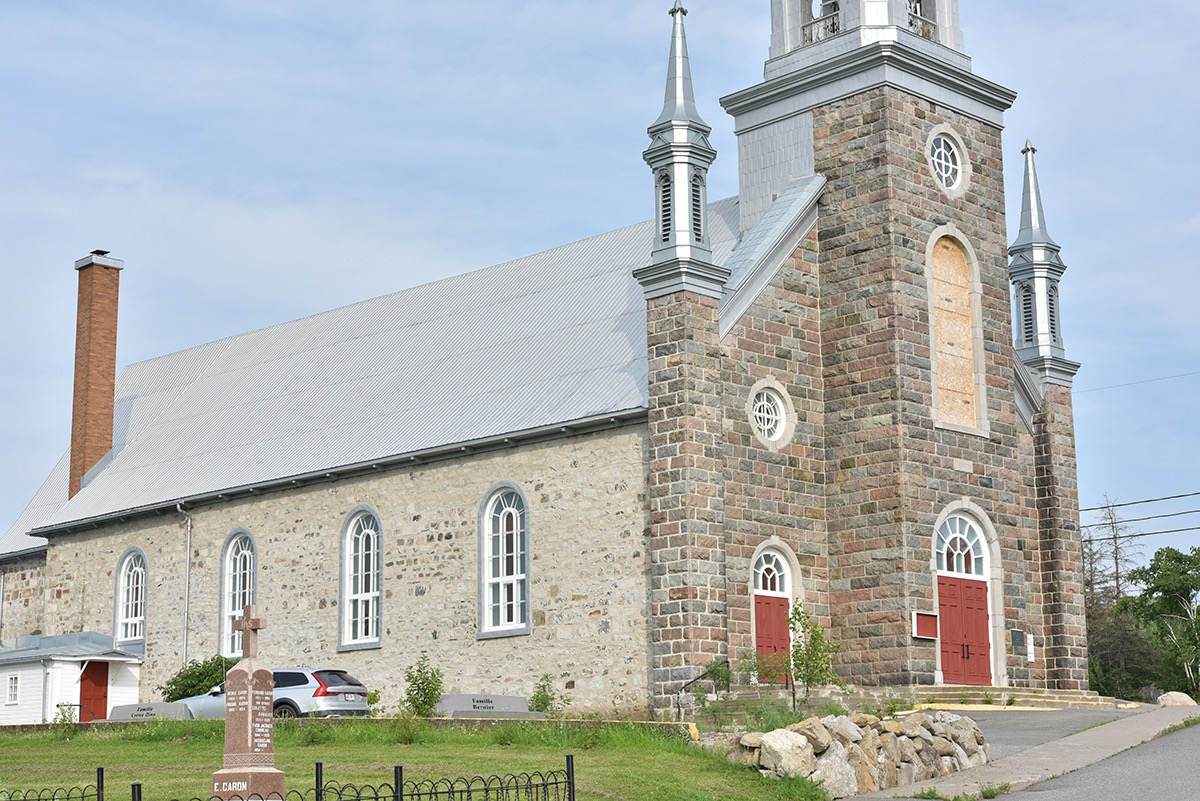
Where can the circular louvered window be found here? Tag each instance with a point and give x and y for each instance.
(769, 414)
(945, 161)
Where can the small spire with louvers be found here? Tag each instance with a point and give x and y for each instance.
(679, 104)
(680, 155)
(1033, 218)
(1035, 271)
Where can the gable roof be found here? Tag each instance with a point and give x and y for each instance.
(548, 340)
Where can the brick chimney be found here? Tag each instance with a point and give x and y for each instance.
(95, 363)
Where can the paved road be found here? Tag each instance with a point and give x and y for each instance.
(1165, 768)
(1011, 731)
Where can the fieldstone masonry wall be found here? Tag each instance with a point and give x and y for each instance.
(587, 520)
(23, 600)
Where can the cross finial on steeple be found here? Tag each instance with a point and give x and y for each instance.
(1033, 218)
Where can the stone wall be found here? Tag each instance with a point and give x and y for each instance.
(893, 469)
(23, 601)
(588, 524)
(775, 495)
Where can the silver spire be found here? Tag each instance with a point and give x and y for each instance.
(680, 103)
(1033, 218)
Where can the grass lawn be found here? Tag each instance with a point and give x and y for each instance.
(173, 759)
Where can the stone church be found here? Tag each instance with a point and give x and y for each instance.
(621, 459)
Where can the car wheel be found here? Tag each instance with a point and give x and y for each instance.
(286, 711)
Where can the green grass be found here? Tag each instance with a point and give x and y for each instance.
(174, 759)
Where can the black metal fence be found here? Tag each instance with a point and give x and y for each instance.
(554, 785)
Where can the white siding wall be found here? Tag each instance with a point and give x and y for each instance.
(28, 708)
(122, 684)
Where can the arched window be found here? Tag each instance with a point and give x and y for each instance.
(960, 547)
(361, 580)
(954, 336)
(131, 597)
(771, 575)
(240, 586)
(504, 567)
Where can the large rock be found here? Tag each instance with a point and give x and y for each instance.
(908, 750)
(1175, 699)
(893, 726)
(834, 772)
(864, 769)
(944, 747)
(918, 719)
(787, 754)
(816, 733)
(752, 739)
(863, 720)
(889, 748)
(907, 774)
(842, 729)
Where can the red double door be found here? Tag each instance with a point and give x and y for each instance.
(772, 639)
(963, 631)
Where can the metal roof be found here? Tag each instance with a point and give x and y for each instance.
(78, 647)
(556, 337)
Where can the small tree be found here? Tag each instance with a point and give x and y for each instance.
(196, 678)
(812, 653)
(1170, 605)
(424, 690)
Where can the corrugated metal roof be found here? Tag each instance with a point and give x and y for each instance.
(548, 339)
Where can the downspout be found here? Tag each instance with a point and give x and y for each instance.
(2, 575)
(45, 694)
(187, 579)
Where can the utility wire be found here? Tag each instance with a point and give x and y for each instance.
(1122, 521)
(1136, 503)
(1095, 538)
(1135, 383)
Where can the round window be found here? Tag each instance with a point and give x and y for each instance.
(943, 157)
(769, 415)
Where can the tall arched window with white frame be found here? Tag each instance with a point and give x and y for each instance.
(131, 597)
(240, 588)
(504, 553)
(361, 582)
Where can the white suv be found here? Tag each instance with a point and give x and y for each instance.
(298, 692)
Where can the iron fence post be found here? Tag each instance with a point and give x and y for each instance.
(99, 784)
(398, 783)
(570, 777)
(320, 780)
(136, 791)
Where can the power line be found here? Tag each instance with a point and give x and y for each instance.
(1135, 383)
(1141, 519)
(1136, 503)
(1143, 534)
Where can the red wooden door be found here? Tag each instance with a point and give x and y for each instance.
(963, 631)
(93, 692)
(772, 639)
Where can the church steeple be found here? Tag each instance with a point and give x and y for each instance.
(1035, 271)
(680, 155)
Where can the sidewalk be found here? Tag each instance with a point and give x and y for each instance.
(1053, 758)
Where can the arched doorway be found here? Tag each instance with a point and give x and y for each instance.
(772, 604)
(964, 632)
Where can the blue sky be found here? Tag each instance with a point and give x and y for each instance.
(257, 162)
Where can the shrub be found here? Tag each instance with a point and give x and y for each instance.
(196, 678)
(424, 690)
(545, 699)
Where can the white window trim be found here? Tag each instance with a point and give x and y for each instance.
(351, 529)
(783, 437)
(231, 611)
(965, 170)
(123, 618)
(12, 693)
(516, 579)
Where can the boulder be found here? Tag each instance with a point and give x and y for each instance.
(918, 719)
(889, 748)
(893, 726)
(752, 739)
(1175, 699)
(949, 765)
(787, 754)
(908, 749)
(864, 769)
(863, 720)
(906, 774)
(815, 731)
(843, 730)
(834, 772)
(944, 747)
(888, 773)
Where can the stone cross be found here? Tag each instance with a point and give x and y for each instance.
(249, 626)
